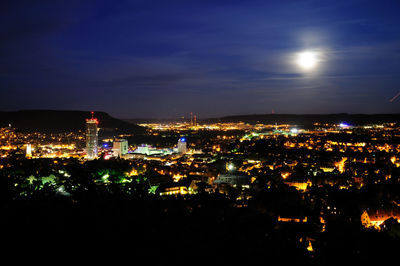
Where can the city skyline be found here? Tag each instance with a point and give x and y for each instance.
(215, 132)
(141, 59)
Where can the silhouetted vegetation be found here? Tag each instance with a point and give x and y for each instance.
(66, 205)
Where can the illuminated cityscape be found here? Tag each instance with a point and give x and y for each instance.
(200, 132)
(312, 179)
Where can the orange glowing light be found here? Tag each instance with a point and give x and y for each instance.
(285, 175)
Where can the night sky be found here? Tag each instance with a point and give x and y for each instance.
(159, 59)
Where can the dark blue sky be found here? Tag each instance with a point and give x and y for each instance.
(167, 58)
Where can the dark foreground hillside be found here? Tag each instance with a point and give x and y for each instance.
(81, 218)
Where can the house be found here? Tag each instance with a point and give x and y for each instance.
(174, 188)
(233, 180)
(376, 217)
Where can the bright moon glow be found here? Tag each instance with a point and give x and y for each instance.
(307, 60)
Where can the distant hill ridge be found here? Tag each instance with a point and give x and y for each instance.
(309, 119)
(63, 121)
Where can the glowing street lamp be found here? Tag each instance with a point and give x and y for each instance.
(230, 167)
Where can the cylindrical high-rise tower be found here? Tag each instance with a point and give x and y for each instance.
(91, 138)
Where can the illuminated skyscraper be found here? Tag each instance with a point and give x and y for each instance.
(91, 138)
(182, 147)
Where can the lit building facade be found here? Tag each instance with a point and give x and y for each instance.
(28, 150)
(91, 138)
(376, 217)
(120, 147)
(182, 146)
(148, 150)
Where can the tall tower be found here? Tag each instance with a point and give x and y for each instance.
(91, 138)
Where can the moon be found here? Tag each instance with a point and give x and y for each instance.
(307, 60)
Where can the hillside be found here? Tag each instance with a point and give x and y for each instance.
(63, 121)
(310, 119)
